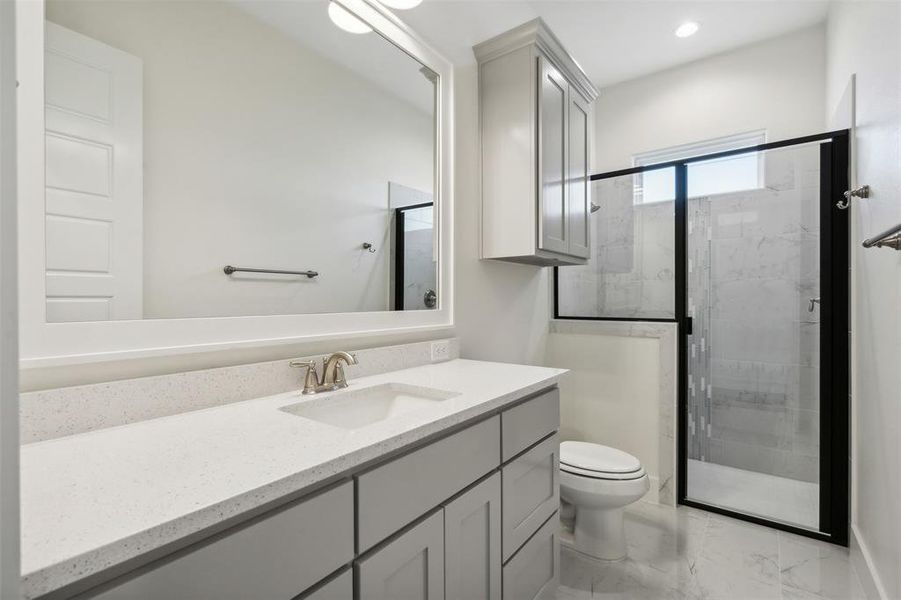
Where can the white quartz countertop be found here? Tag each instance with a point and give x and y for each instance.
(93, 500)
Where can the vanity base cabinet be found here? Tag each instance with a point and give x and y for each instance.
(468, 516)
(534, 572)
(410, 567)
(472, 543)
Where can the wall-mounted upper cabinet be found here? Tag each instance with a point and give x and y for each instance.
(535, 110)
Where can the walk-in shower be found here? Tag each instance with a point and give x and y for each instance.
(746, 250)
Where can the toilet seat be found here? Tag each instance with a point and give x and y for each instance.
(601, 475)
(598, 462)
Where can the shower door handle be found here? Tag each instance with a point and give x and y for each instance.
(811, 303)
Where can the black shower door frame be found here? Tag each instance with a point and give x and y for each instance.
(835, 326)
(399, 257)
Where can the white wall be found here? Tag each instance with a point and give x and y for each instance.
(775, 85)
(9, 362)
(863, 39)
(258, 152)
(502, 308)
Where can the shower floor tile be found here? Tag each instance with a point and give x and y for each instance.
(776, 498)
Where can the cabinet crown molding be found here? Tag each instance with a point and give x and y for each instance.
(537, 33)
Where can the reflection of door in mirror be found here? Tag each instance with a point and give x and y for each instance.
(414, 270)
(93, 179)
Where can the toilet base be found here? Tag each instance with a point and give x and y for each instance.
(600, 533)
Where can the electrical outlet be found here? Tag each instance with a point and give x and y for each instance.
(440, 350)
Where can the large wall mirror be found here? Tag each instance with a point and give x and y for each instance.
(236, 158)
(188, 141)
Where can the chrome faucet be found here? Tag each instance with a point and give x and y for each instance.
(333, 377)
(333, 369)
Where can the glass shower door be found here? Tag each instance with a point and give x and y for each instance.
(753, 294)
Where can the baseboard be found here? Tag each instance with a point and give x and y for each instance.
(866, 570)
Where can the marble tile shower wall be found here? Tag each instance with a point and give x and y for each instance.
(636, 256)
(632, 272)
(420, 269)
(756, 343)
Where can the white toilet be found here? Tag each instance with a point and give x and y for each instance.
(600, 482)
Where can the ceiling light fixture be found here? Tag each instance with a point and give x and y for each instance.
(346, 20)
(686, 29)
(401, 4)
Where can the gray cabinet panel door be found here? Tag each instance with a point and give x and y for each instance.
(535, 570)
(578, 197)
(339, 588)
(531, 493)
(276, 557)
(397, 493)
(526, 423)
(552, 104)
(472, 543)
(410, 567)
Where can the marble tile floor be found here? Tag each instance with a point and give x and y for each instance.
(688, 554)
(777, 498)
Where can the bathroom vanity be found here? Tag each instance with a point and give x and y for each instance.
(438, 481)
(433, 481)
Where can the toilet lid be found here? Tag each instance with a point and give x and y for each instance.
(595, 457)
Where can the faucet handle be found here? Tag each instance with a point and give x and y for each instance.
(311, 378)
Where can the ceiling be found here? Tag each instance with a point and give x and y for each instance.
(615, 40)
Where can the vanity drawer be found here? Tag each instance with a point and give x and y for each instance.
(277, 556)
(530, 493)
(394, 494)
(535, 570)
(525, 424)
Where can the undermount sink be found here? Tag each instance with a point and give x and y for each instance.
(355, 409)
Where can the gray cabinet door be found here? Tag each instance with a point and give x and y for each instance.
(552, 152)
(578, 187)
(472, 543)
(531, 493)
(534, 573)
(410, 567)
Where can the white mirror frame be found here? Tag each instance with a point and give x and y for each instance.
(45, 344)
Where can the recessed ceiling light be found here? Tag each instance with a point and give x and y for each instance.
(341, 17)
(686, 29)
(401, 4)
